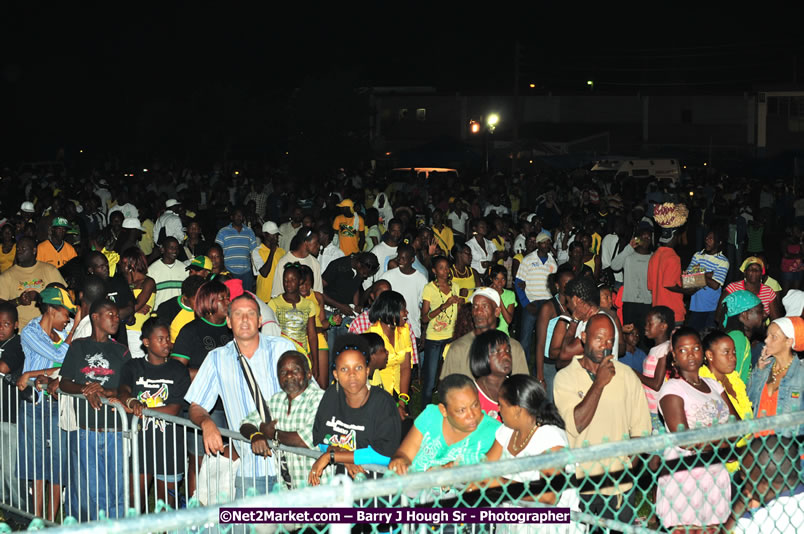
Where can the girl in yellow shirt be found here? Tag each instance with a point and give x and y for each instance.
(388, 316)
(321, 324)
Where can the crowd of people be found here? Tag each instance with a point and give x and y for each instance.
(415, 324)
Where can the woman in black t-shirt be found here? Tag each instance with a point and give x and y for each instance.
(157, 383)
(196, 339)
(208, 330)
(355, 423)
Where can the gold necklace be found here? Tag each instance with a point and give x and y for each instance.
(693, 384)
(776, 372)
(518, 448)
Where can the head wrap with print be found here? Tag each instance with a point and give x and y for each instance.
(738, 302)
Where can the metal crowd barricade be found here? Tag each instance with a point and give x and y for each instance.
(59, 468)
(159, 441)
(343, 492)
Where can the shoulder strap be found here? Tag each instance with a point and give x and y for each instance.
(253, 386)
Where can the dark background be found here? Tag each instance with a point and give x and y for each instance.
(196, 80)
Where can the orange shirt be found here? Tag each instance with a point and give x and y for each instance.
(767, 404)
(348, 235)
(47, 253)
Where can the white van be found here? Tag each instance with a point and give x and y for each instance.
(661, 169)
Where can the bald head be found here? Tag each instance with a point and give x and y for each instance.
(598, 337)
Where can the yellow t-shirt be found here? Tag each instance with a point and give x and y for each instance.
(322, 339)
(443, 325)
(293, 318)
(140, 318)
(265, 284)
(445, 238)
(7, 260)
(773, 284)
(466, 282)
(184, 316)
(391, 375)
(348, 235)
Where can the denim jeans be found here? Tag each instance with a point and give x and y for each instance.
(261, 485)
(527, 328)
(333, 333)
(549, 377)
(433, 351)
(96, 467)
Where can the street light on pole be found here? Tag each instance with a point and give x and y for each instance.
(488, 127)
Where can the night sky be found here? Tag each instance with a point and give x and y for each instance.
(129, 79)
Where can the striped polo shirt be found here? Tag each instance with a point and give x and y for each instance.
(237, 247)
(766, 294)
(168, 280)
(706, 298)
(534, 272)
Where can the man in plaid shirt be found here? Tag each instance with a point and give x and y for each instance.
(292, 415)
(361, 323)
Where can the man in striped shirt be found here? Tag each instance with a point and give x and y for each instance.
(237, 242)
(167, 273)
(532, 277)
(704, 301)
(222, 375)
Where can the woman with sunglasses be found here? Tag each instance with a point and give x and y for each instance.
(356, 424)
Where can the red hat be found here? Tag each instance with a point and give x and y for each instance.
(235, 288)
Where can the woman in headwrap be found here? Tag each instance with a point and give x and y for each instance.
(774, 389)
(743, 319)
(777, 382)
(384, 208)
(754, 269)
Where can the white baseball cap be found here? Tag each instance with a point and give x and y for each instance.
(132, 223)
(489, 293)
(169, 203)
(27, 207)
(270, 227)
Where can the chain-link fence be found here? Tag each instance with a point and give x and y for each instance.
(734, 476)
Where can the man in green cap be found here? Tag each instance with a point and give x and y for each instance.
(744, 321)
(55, 250)
(201, 266)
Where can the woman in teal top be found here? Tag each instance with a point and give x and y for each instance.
(498, 277)
(453, 433)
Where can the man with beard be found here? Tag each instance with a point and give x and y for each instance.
(602, 400)
(294, 410)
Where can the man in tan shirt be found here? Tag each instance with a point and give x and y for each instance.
(485, 316)
(22, 282)
(602, 399)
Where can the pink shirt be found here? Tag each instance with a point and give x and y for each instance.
(649, 370)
